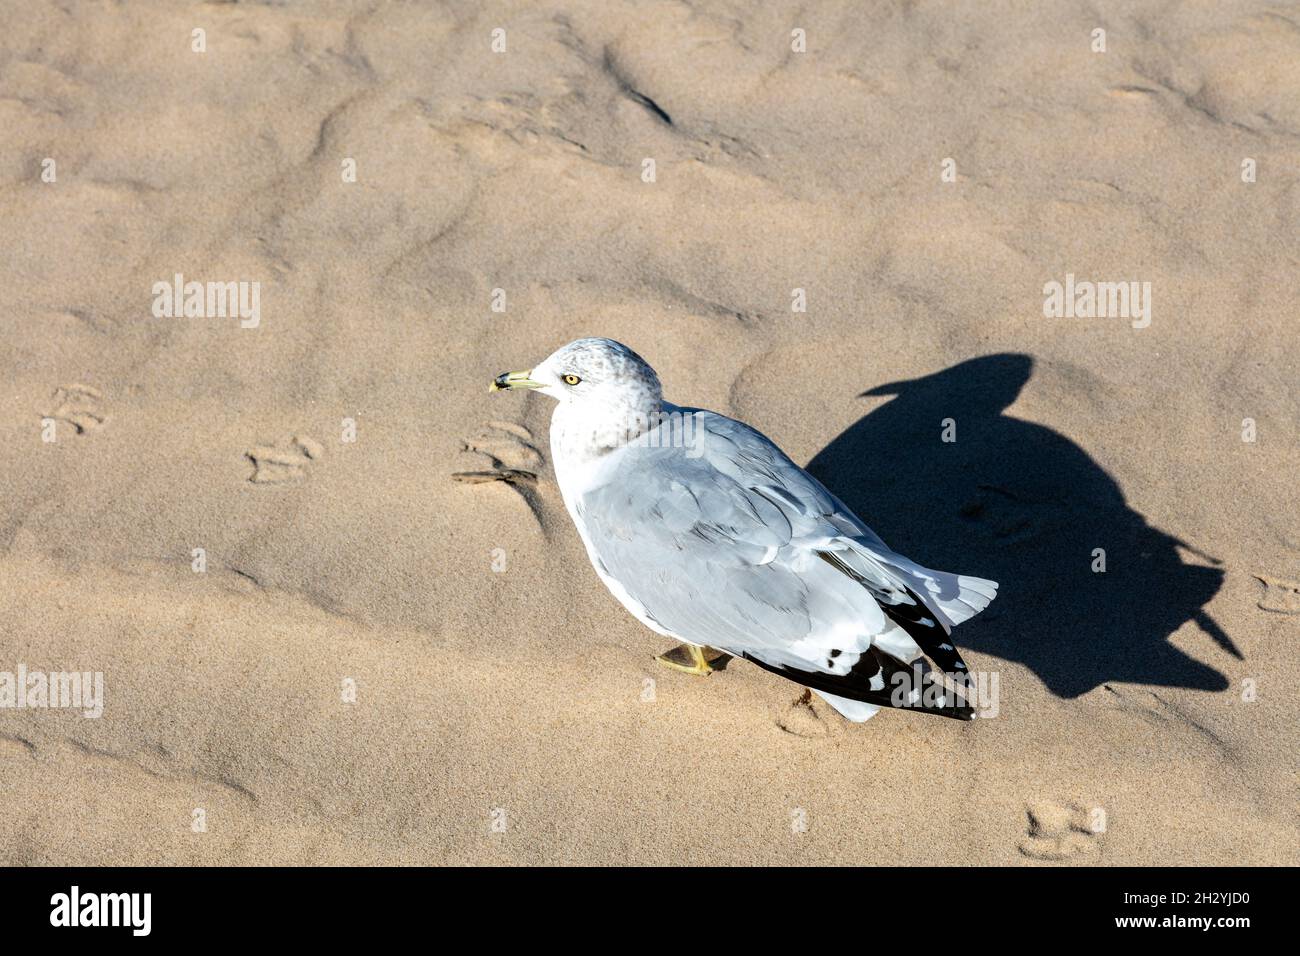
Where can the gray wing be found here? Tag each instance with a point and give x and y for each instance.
(923, 603)
(737, 547)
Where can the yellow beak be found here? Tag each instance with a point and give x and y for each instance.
(508, 380)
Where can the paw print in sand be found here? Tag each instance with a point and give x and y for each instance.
(508, 448)
(284, 461)
(1059, 833)
(80, 406)
(1280, 597)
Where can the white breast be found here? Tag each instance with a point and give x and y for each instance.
(578, 469)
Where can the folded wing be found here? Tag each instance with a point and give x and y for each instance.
(734, 546)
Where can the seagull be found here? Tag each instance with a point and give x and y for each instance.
(711, 536)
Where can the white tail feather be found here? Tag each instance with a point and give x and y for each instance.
(973, 596)
(854, 710)
(958, 597)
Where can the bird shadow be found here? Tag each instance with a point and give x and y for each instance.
(1020, 503)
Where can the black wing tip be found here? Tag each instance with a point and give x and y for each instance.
(917, 619)
(856, 685)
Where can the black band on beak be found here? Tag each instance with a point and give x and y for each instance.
(507, 380)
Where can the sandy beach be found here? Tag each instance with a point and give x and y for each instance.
(838, 222)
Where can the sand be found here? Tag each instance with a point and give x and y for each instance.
(378, 663)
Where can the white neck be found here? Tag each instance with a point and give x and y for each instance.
(585, 435)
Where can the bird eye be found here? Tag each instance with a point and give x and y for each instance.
(571, 380)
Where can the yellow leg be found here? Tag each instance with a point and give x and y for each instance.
(688, 659)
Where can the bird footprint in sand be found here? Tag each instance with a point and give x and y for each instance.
(1059, 833)
(801, 719)
(1281, 597)
(508, 447)
(284, 461)
(80, 406)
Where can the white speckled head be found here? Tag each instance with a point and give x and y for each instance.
(607, 371)
(607, 393)
(594, 372)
